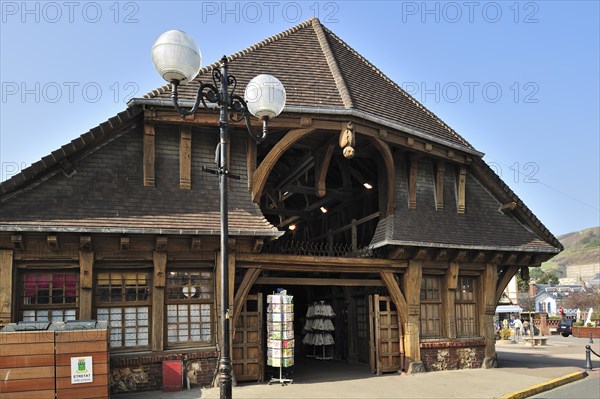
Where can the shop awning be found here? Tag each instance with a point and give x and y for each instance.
(509, 309)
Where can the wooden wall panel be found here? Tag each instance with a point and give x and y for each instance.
(27, 364)
(6, 280)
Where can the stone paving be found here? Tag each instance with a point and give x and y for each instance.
(520, 367)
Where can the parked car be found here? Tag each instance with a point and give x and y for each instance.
(565, 327)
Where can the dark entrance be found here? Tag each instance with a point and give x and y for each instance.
(356, 331)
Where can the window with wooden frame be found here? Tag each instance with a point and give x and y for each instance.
(431, 307)
(123, 299)
(190, 307)
(465, 303)
(48, 296)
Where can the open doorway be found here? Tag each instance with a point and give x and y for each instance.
(352, 328)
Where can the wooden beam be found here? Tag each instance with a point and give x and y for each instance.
(315, 261)
(341, 282)
(460, 189)
(251, 152)
(412, 182)
(185, 157)
(159, 260)
(86, 266)
(412, 292)
(387, 189)
(124, 243)
(487, 310)
(439, 186)
(523, 259)
(6, 285)
(394, 289)
(160, 269)
(242, 292)
(505, 276)
(452, 275)
(149, 151)
(508, 207)
(17, 242)
(448, 297)
(305, 121)
(323, 160)
(266, 166)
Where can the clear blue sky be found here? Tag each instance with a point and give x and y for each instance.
(519, 80)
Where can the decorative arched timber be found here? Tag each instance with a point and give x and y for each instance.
(261, 174)
(242, 292)
(503, 280)
(395, 292)
(390, 184)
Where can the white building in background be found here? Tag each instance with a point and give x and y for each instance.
(512, 291)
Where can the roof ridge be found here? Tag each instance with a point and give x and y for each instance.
(167, 88)
(333, 64)
(402, 91)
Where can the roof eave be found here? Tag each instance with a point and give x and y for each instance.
(464, 247)
(24, 228)
(352, 112)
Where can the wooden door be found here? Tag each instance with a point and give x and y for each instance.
(387, 351)
(247, 353)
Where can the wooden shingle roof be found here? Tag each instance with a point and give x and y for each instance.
(318, 69)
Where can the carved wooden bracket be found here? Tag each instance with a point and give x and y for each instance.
(85, 243)
(258, 245)
(124, 243)
(322, 162)
(161, 244)
(348, 140)
(17, 242)
(53, 242)
(196, 244)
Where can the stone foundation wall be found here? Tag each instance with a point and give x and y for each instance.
(452, 355)
(137, 373)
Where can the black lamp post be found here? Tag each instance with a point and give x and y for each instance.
(177, 59)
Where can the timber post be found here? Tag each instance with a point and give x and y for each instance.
(412, 288)
(486, 314)
(6, 279)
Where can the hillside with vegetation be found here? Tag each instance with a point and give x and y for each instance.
(581, 255)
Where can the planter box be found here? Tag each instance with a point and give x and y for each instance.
(584, 332)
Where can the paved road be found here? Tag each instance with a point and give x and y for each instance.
(588, 388)
(520, 367)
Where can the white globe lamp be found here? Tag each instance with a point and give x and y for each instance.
(176, 57)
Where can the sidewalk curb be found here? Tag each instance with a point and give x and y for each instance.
(545, 386)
